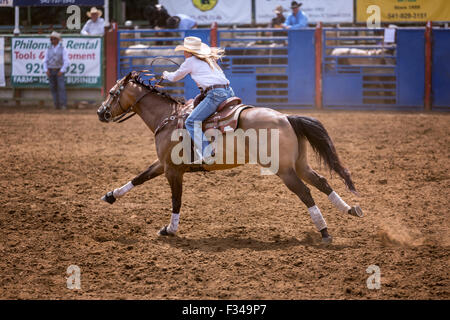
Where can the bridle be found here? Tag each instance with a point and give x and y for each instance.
(107, 107)
(117, 92)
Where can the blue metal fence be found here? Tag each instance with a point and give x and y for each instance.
(275, 68)
(441, 70)
(256, 62)
(411, 69)
(361, 71)
(270, 67)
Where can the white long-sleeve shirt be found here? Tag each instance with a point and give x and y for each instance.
(52, 53)
(200, 72)
(92, 28)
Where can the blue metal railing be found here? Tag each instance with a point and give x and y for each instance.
(359, 68)
(258, 62)
(275, 67)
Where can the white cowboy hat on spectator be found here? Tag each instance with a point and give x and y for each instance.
(279, 9)
(94, 10)
(194, 45)
(55, 34)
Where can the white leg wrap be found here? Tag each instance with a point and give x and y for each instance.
(119, 192)
(174, 220)
(317, 218)
(338, 202)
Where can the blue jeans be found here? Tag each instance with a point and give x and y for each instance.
(201, 112)
(58, 88)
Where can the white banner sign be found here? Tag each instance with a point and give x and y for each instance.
(2, 62)
(84, 57)
(224, 12)
(6, 3)
(327, 11)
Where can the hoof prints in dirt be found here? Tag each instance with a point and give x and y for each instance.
(277, 256)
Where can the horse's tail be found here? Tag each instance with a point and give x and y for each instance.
(322, 144)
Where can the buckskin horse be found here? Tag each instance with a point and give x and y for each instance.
(164, 114)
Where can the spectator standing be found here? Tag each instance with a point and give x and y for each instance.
(56, 62)
(279, 19)
(95, 26)
(297, 19)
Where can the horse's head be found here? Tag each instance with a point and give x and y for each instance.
(120, 101)
(126, 94)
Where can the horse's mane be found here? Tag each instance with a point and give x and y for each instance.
(136, 77)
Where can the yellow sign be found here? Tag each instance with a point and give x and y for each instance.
(404, 10)
(204, 5)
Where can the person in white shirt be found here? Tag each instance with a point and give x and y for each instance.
(201, 64)
(56, 62)
(95, 26)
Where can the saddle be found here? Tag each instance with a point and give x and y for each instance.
(225, 119)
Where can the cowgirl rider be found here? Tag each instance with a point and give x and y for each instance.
(201, 64)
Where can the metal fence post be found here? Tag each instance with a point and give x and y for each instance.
(428, 65)
(111, 56)
(213, 34)
(318, 45)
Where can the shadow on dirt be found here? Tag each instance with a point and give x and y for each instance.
(220, 244)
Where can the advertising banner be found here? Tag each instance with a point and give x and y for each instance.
(205, 12)
(6, 3)
(84, 56)
(327, 11)
(24, 3)
(405, 10)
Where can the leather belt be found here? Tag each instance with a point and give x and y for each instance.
(216, 86)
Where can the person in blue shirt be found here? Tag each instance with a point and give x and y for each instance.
(297, 19)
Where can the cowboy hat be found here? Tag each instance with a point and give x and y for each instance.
(294, 4)
(279, 9)
(94, 10)
(55, 34)
(194, 45)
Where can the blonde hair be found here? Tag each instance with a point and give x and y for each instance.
(212, 57)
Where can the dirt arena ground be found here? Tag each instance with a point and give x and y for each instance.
(242, 235)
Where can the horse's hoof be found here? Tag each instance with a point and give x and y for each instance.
(109, 197)
(356, 211)
(327, 240)
(165, 232)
